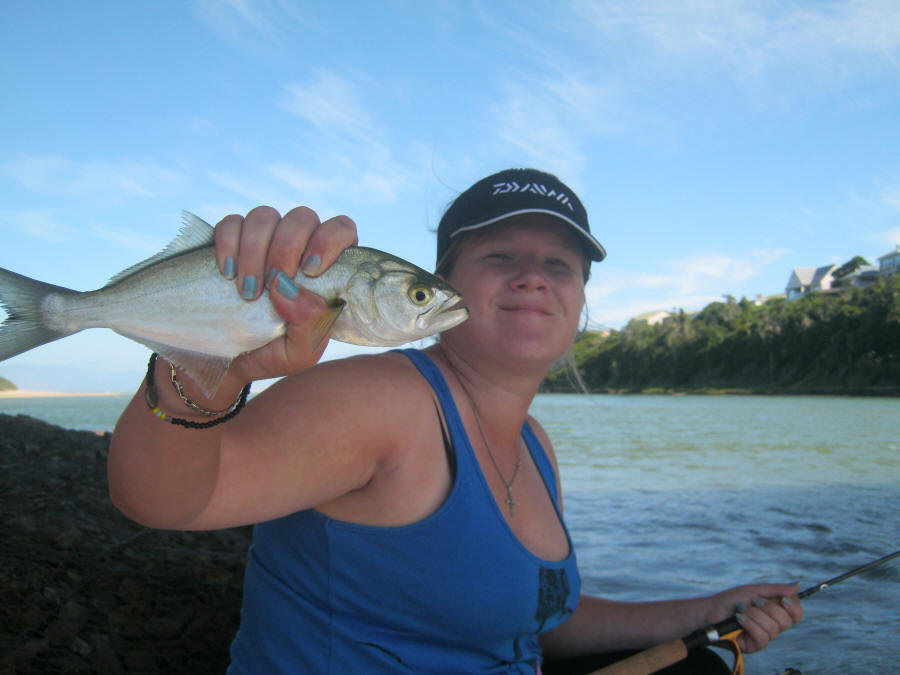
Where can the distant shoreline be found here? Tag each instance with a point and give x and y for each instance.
(24, 393)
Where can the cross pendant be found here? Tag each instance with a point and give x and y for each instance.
(510, 502)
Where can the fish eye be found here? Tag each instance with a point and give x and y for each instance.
(420, 294)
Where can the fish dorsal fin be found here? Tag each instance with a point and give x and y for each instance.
(194, 233)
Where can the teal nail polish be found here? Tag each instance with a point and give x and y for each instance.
(286, 286)
(740, 606)
(741, 619)
(786, 602)
(760, 602)
(248, 289)
(312, 264)
(229, 268)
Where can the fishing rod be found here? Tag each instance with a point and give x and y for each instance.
(722, 634)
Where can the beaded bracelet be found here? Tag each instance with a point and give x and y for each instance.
(152, 399)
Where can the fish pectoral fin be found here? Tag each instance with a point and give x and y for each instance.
(204, 369)
(324, 323)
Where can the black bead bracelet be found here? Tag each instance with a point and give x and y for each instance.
(152, 399)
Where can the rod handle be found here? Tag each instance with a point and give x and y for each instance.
(647, 661)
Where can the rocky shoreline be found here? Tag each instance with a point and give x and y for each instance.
(85, 590)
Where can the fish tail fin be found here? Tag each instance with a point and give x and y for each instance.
(25, 327)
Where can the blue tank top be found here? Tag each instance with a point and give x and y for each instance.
(456, 592)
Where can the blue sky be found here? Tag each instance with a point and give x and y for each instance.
(716, 145)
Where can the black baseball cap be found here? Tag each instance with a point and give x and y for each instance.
(515, 192)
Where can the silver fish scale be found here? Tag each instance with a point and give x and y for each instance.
(183, 302)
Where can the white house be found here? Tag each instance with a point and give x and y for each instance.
(889, 263)
(805, 280)
(653, 318)
(862, 276)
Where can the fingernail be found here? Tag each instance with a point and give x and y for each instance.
(248, 289)
(786, 602)
(760, 602)
(740, 606)
(286, 286)
(741, 619)
(229, 268)
(274, 272)
(312, 264)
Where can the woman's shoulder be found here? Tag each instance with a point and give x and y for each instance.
(392, 369)
(367, 385)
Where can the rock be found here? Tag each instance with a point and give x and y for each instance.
(68, 537)
(140, 659)
(163, 627)
(84, 589)
(79, 646)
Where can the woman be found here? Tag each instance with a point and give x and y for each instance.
(407, 507)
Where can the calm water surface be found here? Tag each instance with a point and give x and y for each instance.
(668, 496)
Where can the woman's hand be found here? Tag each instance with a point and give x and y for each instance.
(763, 610)
(265, 249)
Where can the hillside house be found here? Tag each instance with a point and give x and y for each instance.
(889, 263)
(806, 280)
(860, 277)
(653, 318)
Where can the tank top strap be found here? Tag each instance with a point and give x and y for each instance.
(435, 378)
(539, 455)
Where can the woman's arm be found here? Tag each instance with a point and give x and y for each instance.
(254, 466)
(600, 625)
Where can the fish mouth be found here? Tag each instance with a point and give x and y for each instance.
(443, 316)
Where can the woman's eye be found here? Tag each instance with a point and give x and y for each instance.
(559, 264)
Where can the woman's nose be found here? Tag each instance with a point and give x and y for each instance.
(529, 274)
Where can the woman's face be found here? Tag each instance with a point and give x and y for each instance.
(523, 282)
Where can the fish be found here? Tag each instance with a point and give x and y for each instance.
(179, 305)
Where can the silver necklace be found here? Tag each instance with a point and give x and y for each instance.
(510, 502)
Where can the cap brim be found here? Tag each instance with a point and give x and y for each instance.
(592, 247)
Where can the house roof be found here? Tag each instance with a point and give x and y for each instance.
(891, 253)
(809, 276)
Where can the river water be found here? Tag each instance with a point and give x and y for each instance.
(673, 496)
(668, 496)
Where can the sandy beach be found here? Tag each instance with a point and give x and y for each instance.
(24, 393)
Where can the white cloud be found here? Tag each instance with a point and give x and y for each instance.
(250, 189)
(129, 239)
(748, 37)
(40, 224)
(333, 105)
(110, 180)
(892, 236)
(243, 21)
(301, 181)
(348, 148)
(543, 126)
(614, 295)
